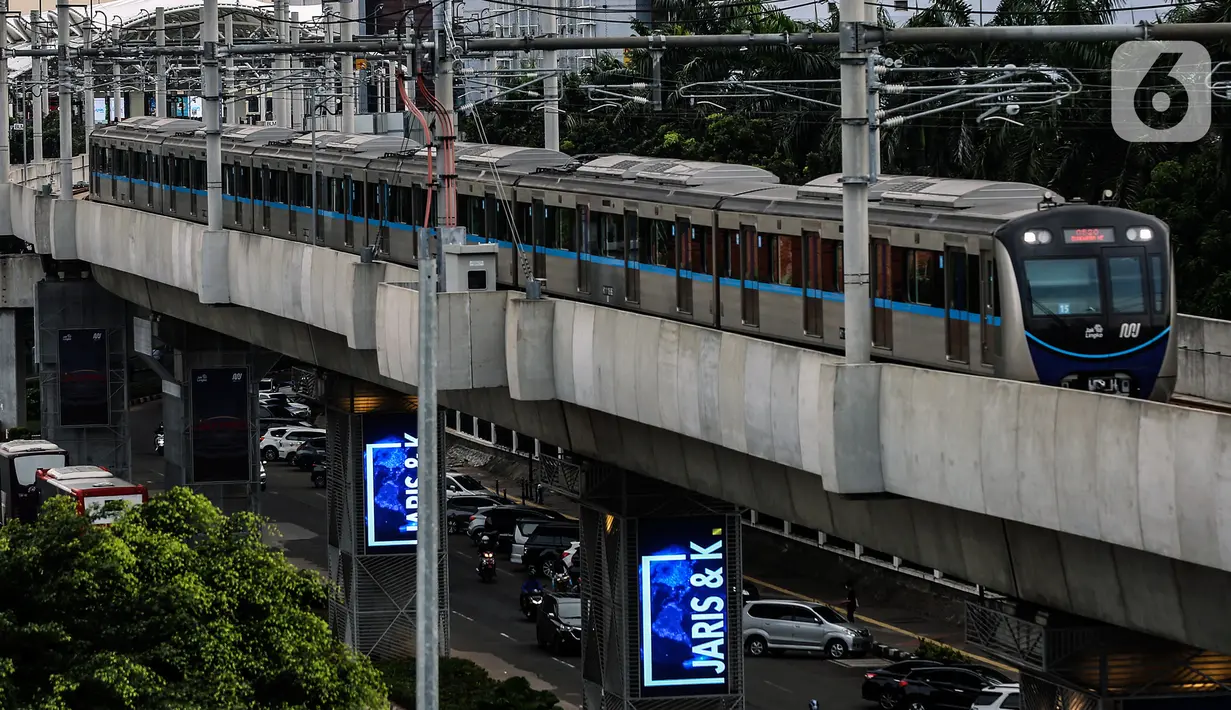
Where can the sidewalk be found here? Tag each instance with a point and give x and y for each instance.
(893, 625)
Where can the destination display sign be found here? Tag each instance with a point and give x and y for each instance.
(1089, 235)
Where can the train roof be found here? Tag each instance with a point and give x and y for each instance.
(672, 171)
(20, 447)
(918, 191)
(154, 125)
(77, 473)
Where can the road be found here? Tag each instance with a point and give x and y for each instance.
(487, 626)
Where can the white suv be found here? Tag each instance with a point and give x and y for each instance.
(1002, 696)
(284, 441)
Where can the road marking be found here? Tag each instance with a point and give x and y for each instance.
(558, 660)
(779, 687)
(508, 637)
(467, 618)
(881, 624)
(860, 662)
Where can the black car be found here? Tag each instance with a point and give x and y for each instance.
(545, 544)
(500, 521)
(310, 454)
(458, 510)
(936, 688)
(558, 627)
(876, 682)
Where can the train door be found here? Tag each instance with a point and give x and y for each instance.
(683, 265)
(632, 258)
(293, 198)
(321, 192)
(882, 304)
(538, 238)
(347, 210)
(989, 309)
(957, 326)
(151, 177)
(384, 215)
(584, 248)
(749, 301)
(813, 301)
(239, 190)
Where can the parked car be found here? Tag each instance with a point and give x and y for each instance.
(558, 627)
(461, 483)
(875, 682)
(1005, 696)
(460, 508)
(284, 442)
(282, 400)
(778, 625)
(310, 454)
(529, 526)
(937, 688)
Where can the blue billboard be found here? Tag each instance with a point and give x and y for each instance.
(682, 606)
(391, 480)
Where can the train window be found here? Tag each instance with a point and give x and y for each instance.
(258, 185)
(656, 242)
(727, 246)
(1156, 282)
(304, 191)
(130, 160)
(1127, 284)
(924, 278)
(832, 276)
(356, 198)
(761, 256)
(337, 198)
(787, 261)
(584, 230)
(418, 204)
(559, 227)
(1059, 287)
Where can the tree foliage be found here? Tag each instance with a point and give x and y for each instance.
(174, 607)
(466, 686)
(1069, 147)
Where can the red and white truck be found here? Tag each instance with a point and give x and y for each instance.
(91, 486)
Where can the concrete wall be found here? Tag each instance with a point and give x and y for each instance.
(1205, 358)
(1113, 583)
(18, 274)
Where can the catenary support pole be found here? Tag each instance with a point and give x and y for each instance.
(64, 71)
(234, 108)
(213, 289)
(551, 87)
(160, 81)
(6, 158)
(282, 96)
(346, 34)
(856, 142)
(117, 90)
(87, 89)
(39, 87)
(297, 93)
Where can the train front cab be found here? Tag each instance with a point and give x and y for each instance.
(1092, 300)
(21, 460)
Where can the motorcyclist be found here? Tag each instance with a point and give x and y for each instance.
(486, 544)
(532, 585)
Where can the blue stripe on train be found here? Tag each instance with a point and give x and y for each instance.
(1144, 362)
(912, 308)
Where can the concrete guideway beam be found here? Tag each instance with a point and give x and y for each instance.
(1112, 583)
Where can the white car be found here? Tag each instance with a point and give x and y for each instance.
(295, 408)
(284, 441)
(458, 484)
(1002, 696)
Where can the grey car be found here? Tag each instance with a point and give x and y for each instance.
(777, 625)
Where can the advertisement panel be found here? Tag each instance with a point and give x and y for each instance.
(221, 429)
(391, 481)
(83, 378)
(682, 606)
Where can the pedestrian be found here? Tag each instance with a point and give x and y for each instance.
(852, 601)
(538, 494)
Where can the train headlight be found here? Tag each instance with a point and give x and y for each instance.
(1036, 236)
(1140, 234)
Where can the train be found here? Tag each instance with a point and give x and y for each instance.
(1002, 279)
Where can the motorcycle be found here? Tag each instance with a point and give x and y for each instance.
(563, 583)
(159, 439)
(487, 567)
(530, 603)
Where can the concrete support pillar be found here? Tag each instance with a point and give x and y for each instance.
(13, 355)
(372, 558)
(82, 336)
(633, 546)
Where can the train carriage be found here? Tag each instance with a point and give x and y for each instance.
(727, 246)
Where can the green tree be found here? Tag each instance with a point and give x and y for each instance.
(466, 686)
(174, 607)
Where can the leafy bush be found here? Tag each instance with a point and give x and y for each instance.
(932, 651)
(466, 686)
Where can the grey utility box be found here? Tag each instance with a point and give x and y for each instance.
(470, 267)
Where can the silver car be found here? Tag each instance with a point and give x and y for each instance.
(777, 625)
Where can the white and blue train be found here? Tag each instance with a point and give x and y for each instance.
(992, 278)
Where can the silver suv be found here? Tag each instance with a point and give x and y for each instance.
(777, 625)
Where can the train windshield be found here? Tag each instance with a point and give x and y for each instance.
(26, 467)
(1060, 287)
